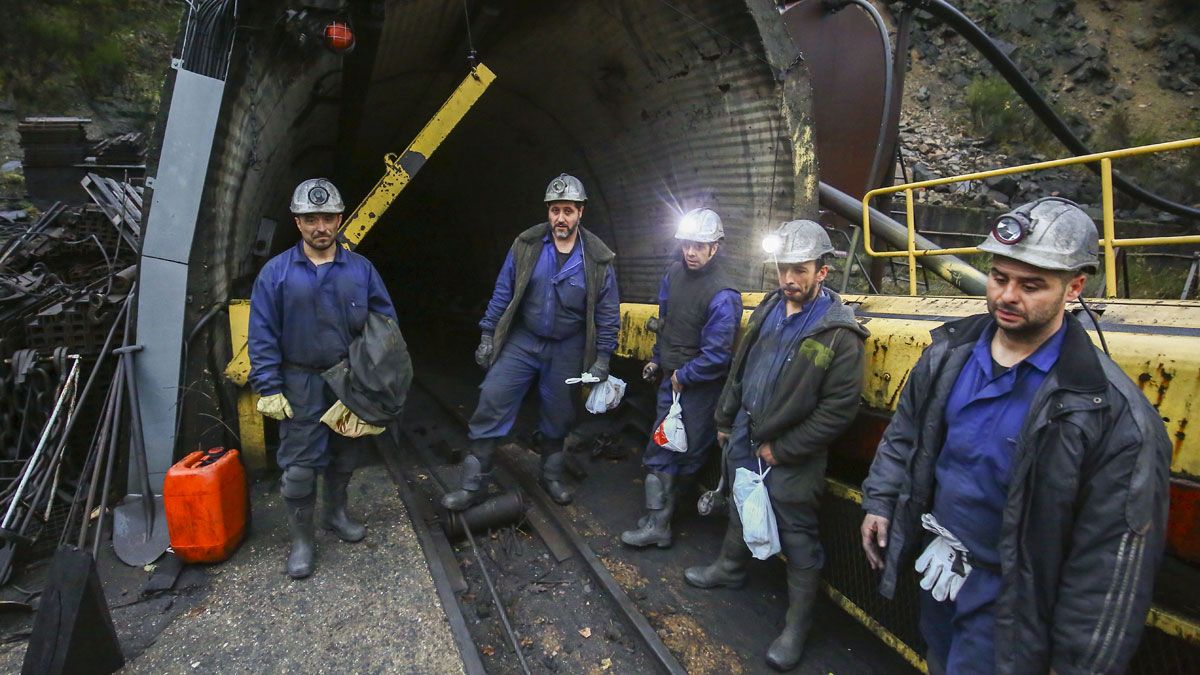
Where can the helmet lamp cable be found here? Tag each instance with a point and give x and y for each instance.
(1095, 322)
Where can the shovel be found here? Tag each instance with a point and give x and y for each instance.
(139, 522)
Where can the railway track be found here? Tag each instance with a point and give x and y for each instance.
(533, 597)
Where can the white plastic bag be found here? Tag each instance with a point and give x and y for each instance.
(605, 396)
(670, 434)
(759, 530)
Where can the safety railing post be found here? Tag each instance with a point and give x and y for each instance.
(912, 242)
(1110, 258)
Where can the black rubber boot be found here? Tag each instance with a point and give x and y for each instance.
(335, 517)
(476, 476)
(554, 461)
(575, 465)
(655, 529)
(300, 524)
(784, 653)
(729, 569)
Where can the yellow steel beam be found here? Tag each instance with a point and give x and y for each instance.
(1156, 349)
(250, 424)
(399, 170)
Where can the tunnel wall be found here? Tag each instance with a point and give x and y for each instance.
(654, 110)
(651, 109)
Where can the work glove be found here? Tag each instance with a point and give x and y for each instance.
(275, 406)
(342, 420)
(599, 369)
(649, 371)
(944, 564)
(483, 353)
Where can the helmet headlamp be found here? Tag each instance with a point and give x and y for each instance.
(318, 195)
(1011, 228)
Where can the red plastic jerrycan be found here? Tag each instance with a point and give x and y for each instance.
(205, 498)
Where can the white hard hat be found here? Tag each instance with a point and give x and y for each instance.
(797, 241)
(317, 195)
(1051, 233)
(702, 225)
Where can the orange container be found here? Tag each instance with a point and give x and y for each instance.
(206, 505)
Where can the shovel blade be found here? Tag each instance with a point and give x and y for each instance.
(138, 540)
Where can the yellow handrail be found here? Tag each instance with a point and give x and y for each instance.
(1109, 242)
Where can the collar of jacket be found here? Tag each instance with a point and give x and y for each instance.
(839, 314)
(593, 247)
(298, 256)
(1078, 367)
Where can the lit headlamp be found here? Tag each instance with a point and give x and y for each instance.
(772, 243)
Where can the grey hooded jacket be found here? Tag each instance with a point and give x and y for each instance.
(1084, 525)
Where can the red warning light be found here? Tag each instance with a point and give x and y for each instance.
(339, 37)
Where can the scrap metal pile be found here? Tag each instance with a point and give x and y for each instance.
(66, 291)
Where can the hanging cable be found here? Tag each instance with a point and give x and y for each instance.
(1095, 322)
(472, 55)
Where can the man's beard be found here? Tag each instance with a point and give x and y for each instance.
(806, 297)
(564, 235)
(330, 241)
(1031, 326)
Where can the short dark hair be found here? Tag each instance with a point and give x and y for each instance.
(822, 261)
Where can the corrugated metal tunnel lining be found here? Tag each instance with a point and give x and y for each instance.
(656, 107)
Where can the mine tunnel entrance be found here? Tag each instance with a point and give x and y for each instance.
(660, 116)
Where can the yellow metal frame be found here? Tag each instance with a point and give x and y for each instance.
(1109, 242)
(250, 424)
(399, 169)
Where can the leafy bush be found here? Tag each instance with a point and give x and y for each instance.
(998, 113)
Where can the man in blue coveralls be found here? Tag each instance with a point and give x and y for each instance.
(793, 388)
(699, 311)
(554, 311)
(308, 305)
(1028, 469)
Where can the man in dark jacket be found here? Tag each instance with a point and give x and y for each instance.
(308, 306)
(699, 312)
(1038, 469)
(553, 313)
(793, 388)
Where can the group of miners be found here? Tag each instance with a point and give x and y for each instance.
(1022, 472)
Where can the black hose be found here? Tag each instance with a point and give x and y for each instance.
(981, 41)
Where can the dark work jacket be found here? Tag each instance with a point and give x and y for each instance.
(816, 398)
(373, 380)
(597, 259)
(688, 294)
(1084, 522)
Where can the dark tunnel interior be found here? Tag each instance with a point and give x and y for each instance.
(656, 109)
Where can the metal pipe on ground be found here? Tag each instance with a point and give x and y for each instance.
(506, 508)
(951, 268)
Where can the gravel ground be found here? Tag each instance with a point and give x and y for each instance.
(369, 607)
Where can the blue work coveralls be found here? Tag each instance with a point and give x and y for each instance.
(302, 321)
(702, 378)
(984, 416)
(546, 342)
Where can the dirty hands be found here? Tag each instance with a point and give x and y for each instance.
(275, 406)
(764, 452)
(599, 369)
(722, 438)
(483, 353)
(649, 371)
(874, 539)
(675, 384)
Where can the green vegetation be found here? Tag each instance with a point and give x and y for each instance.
(1175, 175)
(999, 113)
(59, 54)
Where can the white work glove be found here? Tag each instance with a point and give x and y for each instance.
(275, 406)
(343, 420)
(944, 564)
